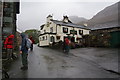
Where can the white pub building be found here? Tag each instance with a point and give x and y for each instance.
(55, 31)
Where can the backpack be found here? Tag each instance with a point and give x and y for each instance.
(28, 43)
(67, 42)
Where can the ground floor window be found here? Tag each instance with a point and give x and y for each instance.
(52, 39)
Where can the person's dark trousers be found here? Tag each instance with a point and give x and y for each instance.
(9, 53)
(67, 49)
(24, 59)
(31, 48)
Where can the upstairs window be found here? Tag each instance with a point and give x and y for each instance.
(44, 31)
(48, 24)
(43, 38)
(65, 30)
(51, 29)
(81, 32)
(40, 38)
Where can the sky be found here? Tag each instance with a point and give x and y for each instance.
(33, 13)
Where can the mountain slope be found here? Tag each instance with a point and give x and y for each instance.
(77, 20)
(109, 14)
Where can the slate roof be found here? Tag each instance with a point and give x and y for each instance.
(68, 24)
(42, 26)
(106, 25)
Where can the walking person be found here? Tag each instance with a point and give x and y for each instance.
(66, 45)
(24, 52)
(32, 40)
(8, 45)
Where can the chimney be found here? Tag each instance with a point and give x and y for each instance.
(49, 17)
(65, 19)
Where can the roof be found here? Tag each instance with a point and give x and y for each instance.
(69, 24)
(105, 25)
(42, 26)
(49, 16)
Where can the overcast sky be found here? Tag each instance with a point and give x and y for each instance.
(33, 13)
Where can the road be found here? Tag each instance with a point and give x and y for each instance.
(49, 63)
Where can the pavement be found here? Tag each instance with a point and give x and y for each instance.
(106, 58)
(50, 63)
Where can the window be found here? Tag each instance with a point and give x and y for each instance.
(7, 14)
(39, 32)
(73, 32)
(43, 38)
(7, 24)
(40, 38)
(81, 32)
(7, 30)
(52, 39)
(65, 30)
(44, 31)
(47, 24)
(51, 29)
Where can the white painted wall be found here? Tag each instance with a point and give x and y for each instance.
(44, 42)
(59, 32)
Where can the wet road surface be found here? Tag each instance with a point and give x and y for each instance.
(48, 63)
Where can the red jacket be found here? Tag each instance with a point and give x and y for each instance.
(67, 41)
(9, 42)
(31, 38)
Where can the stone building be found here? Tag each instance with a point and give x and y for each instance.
(10, 11)
(106, 35)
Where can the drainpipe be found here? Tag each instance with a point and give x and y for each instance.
(56, 28)
(1, 25)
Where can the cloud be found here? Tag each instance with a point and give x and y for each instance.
(33, 14)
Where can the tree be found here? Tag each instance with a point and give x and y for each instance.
(34, 33)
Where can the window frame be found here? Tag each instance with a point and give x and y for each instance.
(51, 29)
(81, 32)
(65, 31)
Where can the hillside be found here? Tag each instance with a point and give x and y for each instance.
(109, 14)
(77, 20)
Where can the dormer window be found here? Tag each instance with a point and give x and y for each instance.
(66, 20)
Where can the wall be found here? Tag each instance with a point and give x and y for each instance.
(44, 42)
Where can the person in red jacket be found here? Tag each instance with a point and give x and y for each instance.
(8, 45)
(66, 45)
(31, 38)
